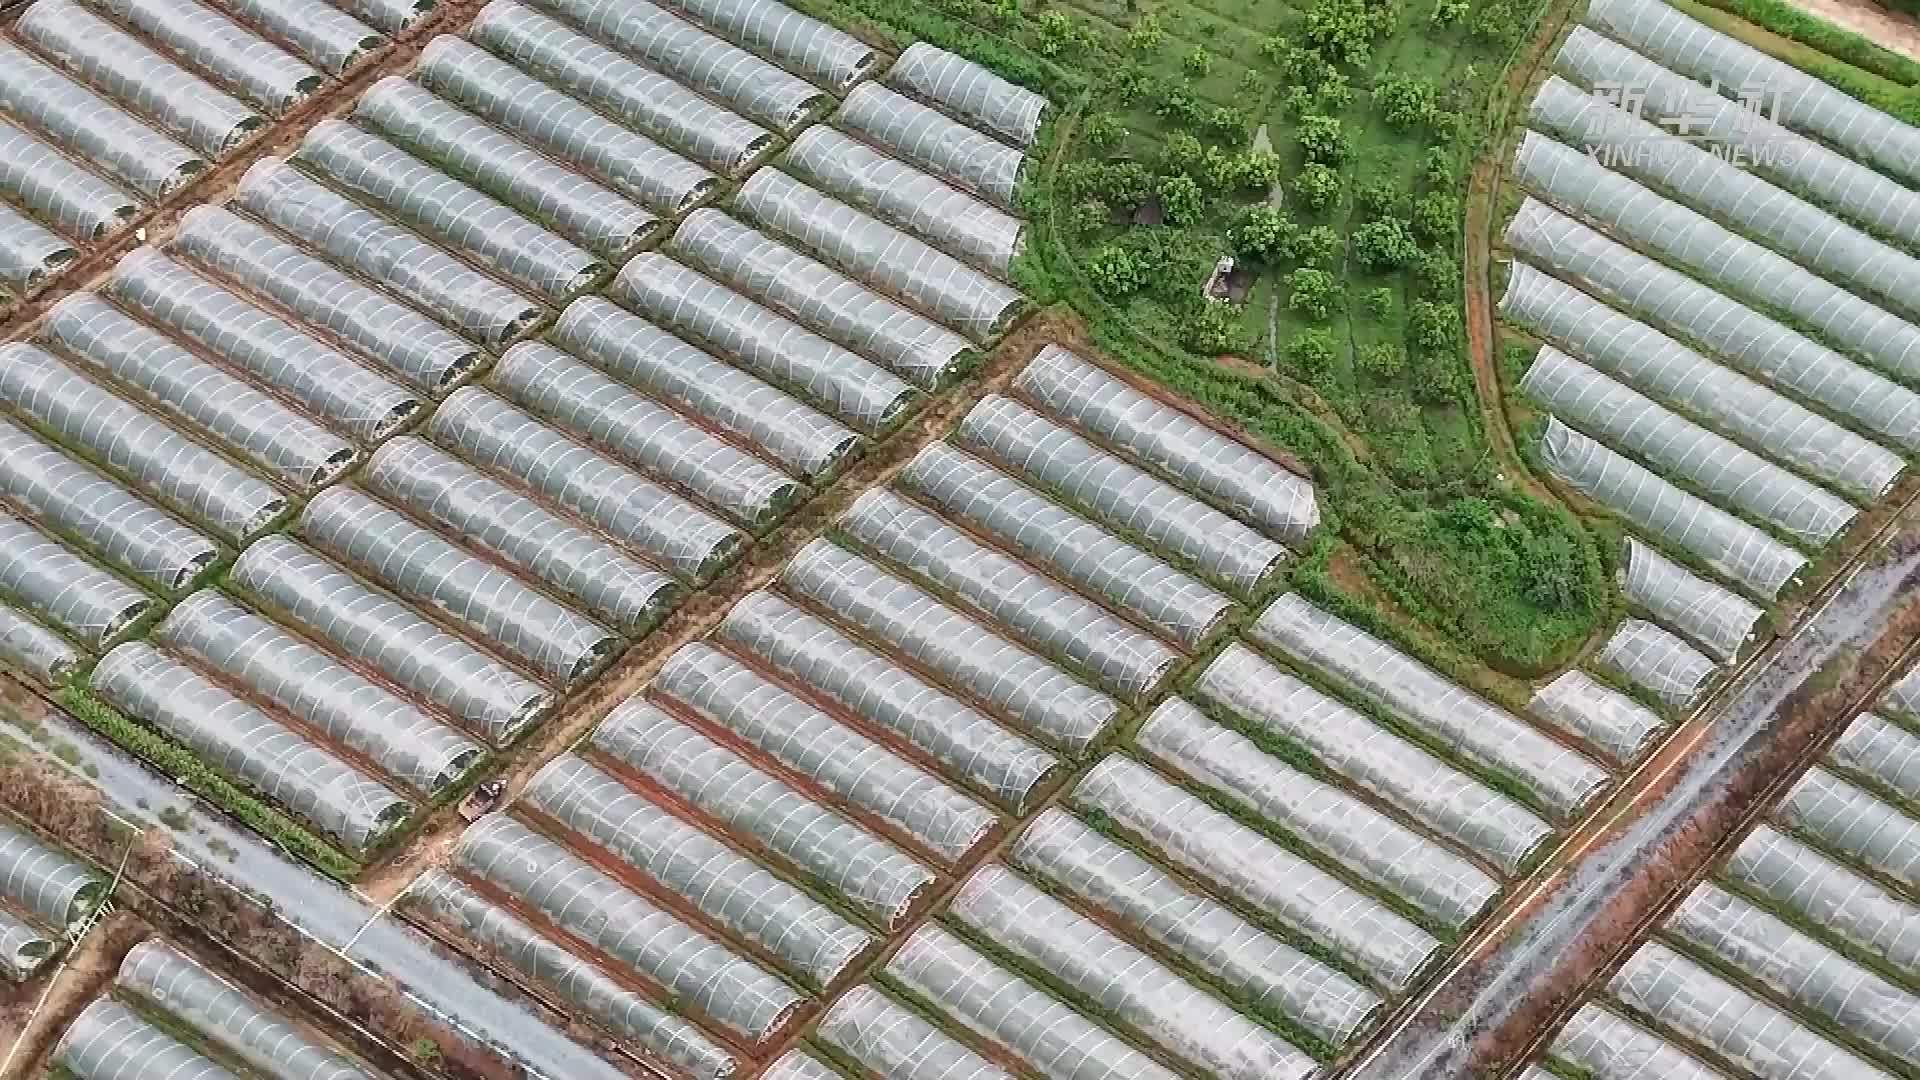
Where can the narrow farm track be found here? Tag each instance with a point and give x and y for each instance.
(158, 221)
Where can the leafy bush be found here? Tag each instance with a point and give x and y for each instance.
(1437, 167)
(1199, 62)
(1322, 139)
(1089, 217)
(1406, 102)
(1380, 302)
(1183, 200)
(1115, 271)
(1310, 355)
(1385, 244)
(1264, 233)
(1436, 217)
(1104, 130)
(1316, 246)
(1433, 327)
(1317, 187)
(1312, 291)
(1384, 361)
(1147, 35)
(1377, 198)
(1346, 29)
(1437, 271)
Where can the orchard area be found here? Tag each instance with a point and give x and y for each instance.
(1324, 148)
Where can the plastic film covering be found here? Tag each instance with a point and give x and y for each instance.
(1771, 352)
(1605, 1046)
(30, 253)
(182, 474)
(459, 500)
(1386, 947)
(1455, 718)
(888, 258)
(824, 751)
(1127, 984)
(1042, 532)
(180, 102)
(109, 1040)
(86, 124)
(929, 140)
(792, 433)
(1125, 497)
(1056, 620)
(1657, 661)
(654, 36)
(885, 1039)
(84, 504)
(628, 1015)
(405, 342)
(1664, 369)
(1344, 829)
(1801, 970)
(1851, 823)
(364, 405)
(1798, 100)
(360, 240)
(647, 101)
(1783, 157)
(1718, 620)
(579, 209)
(908, 344)
(242, 61)
(799, 1065)
(312, 686)
(1649, 222)
(283, 443)
(1055, 1041)
(480, 692)
(1675, 446)
(734, 893)
(46, 884)
(23, 949)
(879, 879)
(419, 563)
(1756, 1037)
(654, 437)
(635, 512)
(1816, 890)
(495, 235)
(1068, 856)
(1444, 799)
(968, 91)
(1596, 713)
(49, 582)
(27, 646)
(1903, 697)
(502, 94)
(55, 190)
(1733, 548)
(828, 56)
(918, 202)
(1728, 193)
(1040, 697)
(855, 390)
(1846, 820)
(1253, 487)
(584, 902)
(246, 743)
(813, 654)
(328, 37)
(221, 1012)
(1881, 752)
(392, 16)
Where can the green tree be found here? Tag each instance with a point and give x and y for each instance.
(1182, 199)
(1312, 292)
(1055, 33)
(1322, 139)
(1436, 217)
(1104, 130)
(1212, 329)
(1345, 29)
(1316, 246)
(1437, 167)
(1438, 272)
(1377, 198)
(1379, 302)
(1316, 187)
(1199, 62)
(1256, 169)
(1433, 327)
(1310, 356)
(1385, 244)
(1264, 233)
(1115, 272)
(1089, 217)
(1406, 102)
(1383, 361)
(1147, 35)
